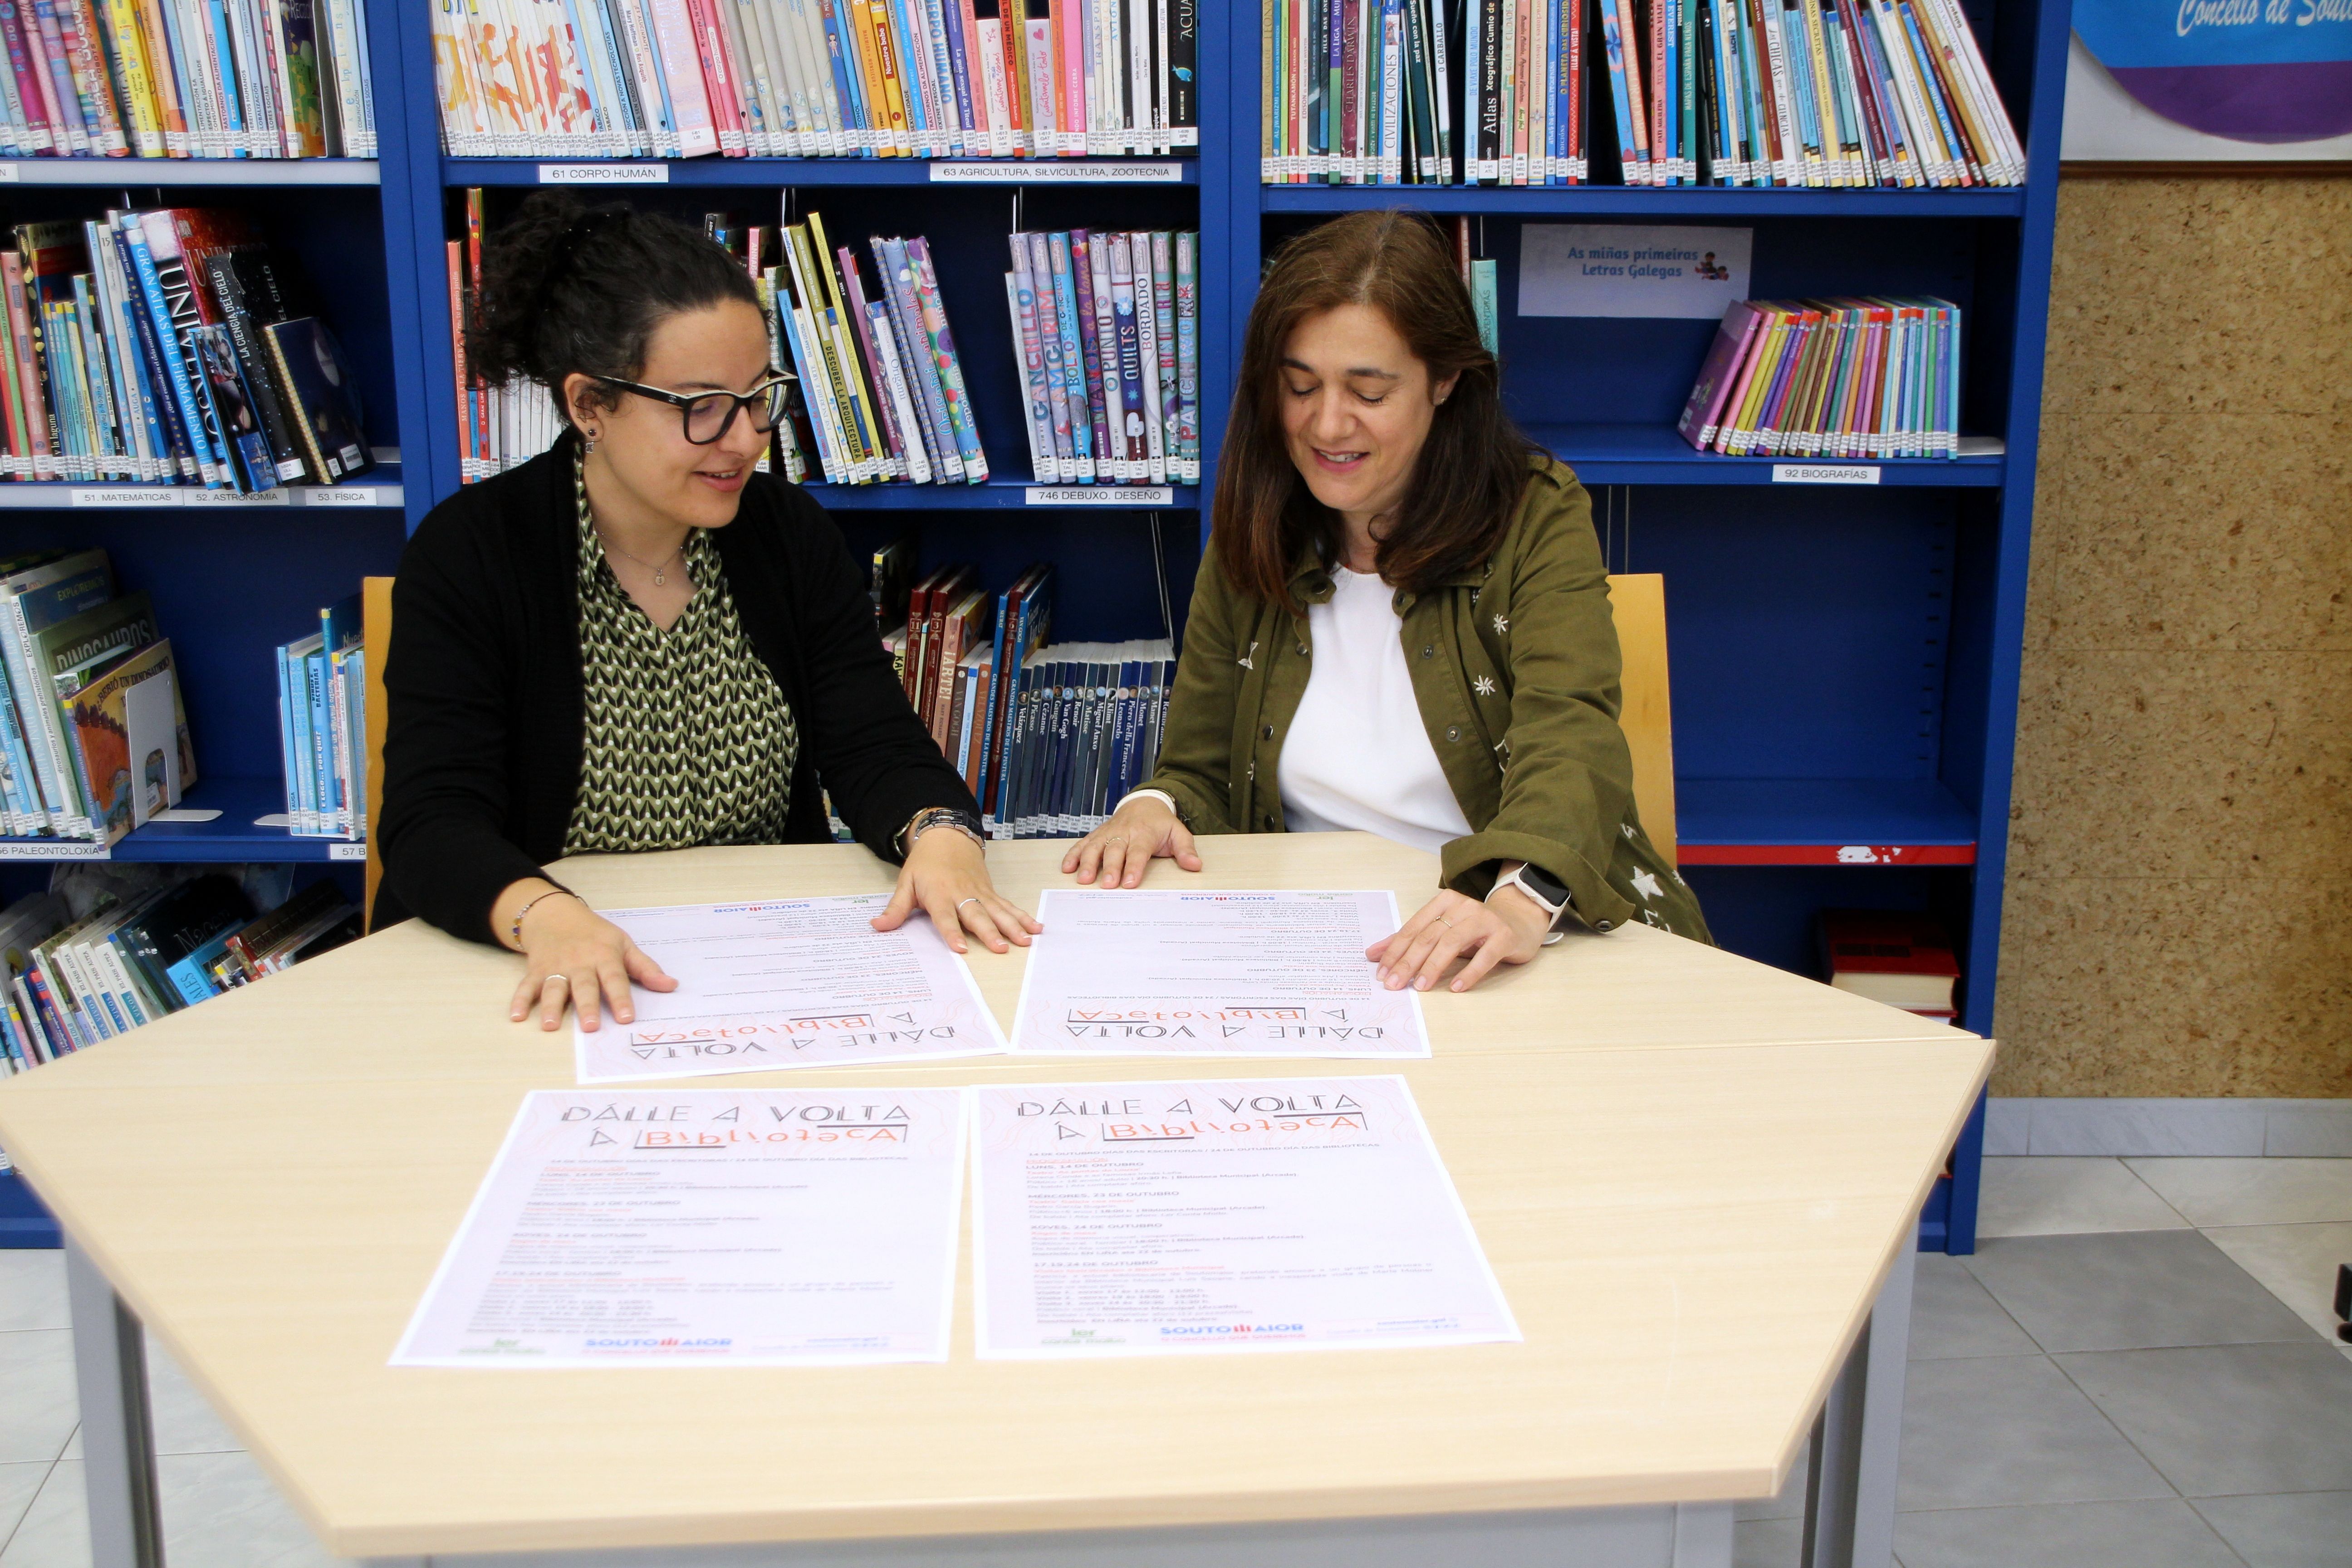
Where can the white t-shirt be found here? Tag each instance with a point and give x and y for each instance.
(1357, 755)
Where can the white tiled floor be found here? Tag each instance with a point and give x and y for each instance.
(2169, 1415)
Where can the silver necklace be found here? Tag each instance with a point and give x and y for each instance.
(660, 578)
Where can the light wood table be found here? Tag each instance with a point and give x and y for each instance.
(1695, 1178)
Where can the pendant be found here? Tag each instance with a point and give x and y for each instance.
(660, 581)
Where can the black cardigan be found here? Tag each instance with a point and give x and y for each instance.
(482, 741)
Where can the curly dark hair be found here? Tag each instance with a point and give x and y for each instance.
(569, 289)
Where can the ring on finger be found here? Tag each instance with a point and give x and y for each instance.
(556, 979)
(1447, 923)
(973, 899)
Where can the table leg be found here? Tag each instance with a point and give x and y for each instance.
(1850, 1496)
(118, 1437)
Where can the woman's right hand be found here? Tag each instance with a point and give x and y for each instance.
(1121, 849)
(575, 956)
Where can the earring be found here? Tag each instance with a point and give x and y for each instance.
(587, 441)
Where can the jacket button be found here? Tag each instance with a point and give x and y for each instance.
(1600, 925)
(1302, 650)
(1429, 650)
(1268, 731)
(1269, 822)
(1453, 732)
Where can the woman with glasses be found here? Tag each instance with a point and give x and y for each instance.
(637, 642)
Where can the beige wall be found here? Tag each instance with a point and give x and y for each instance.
(2179, 904)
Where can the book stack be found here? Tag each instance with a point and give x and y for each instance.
(186, 78)
(1820, 93)
(812, 79)
(1107, 326)
(322, 727)
(93, 736)
(1084, 730)
(881, 395)
(169, 347)
(135, 953)
(1902, 959)
(1831, 378)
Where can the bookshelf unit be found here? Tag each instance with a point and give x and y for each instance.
(1844, 657)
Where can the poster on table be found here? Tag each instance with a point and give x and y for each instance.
(790, 983)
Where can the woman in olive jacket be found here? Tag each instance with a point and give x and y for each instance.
(1402, 626)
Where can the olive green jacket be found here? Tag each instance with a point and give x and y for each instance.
(1515, 665)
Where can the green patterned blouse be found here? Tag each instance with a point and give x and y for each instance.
(686, 737)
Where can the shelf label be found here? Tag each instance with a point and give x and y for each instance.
(347, 851)
(339, 495)
(1099, 495)
(56, 849)
(1823, 474)
(1042, 170)
(7, 173)
(127, 495)
(231, 498)
(603, 174)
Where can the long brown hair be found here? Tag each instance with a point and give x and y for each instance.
(1466, 482)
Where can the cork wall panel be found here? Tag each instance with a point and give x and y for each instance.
(2178, 913)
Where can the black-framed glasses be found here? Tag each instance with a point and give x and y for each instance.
(708, 416)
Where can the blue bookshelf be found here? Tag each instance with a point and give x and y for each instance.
(1845, 657)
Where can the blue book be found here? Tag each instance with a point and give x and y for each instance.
(193, 975)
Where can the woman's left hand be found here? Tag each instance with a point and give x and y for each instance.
(945, 876)
(1509, 929)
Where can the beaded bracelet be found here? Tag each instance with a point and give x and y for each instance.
(515, 931)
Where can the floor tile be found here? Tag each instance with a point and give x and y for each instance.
(2252, 1192)
(2165, 1534)
(221, 1511)
(18, 1483)
(2129, 1291)
(2011, 1429)
(2296, 1263)
(2224, 1420)
(36, 1391)
(2067, 1196)
(1952, 1315)
(184, 1422)
(1766, 1542)
(1788, 1504)
(33, 1288)
(2300, 1530)
(55, 1531)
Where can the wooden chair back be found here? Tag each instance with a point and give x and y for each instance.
(1638, 601)
(375, 636)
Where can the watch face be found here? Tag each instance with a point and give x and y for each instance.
(1544, 885)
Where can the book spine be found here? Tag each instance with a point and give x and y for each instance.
(1061, 272)
(894, 264)
(1127, 325)
(1021, 302)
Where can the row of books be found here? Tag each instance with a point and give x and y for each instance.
(1821, 93)
(322, 726)
(881, 394)
(93, 735)
(186, 78)
(168, 346)
(90, 962)
(1107, 325)
(1831, 378)
(1047, 737)
(927, 79)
